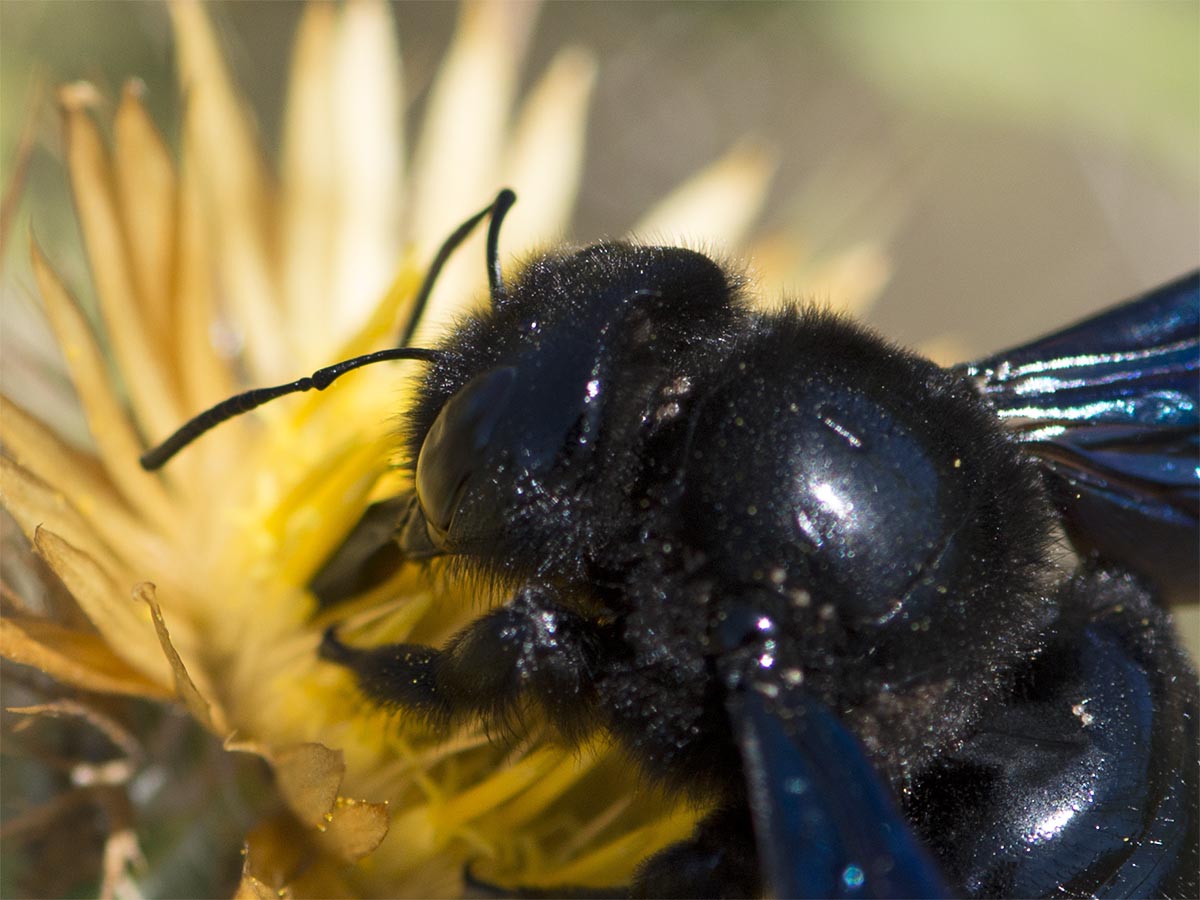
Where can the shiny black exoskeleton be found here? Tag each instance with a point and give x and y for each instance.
(805, 574)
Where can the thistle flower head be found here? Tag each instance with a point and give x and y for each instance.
(189, 587)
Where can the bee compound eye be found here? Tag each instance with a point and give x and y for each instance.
(457, 444)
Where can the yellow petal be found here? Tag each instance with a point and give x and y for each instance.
(221, 141)
(203, 711)
(74, 657)
(494, 790)
(715, 208)
(119, 446)
(389, 622)
(382, 327)
(33, 503)
(125, 625)
(145, 179)
(366, 402)
(850, 281)
(614, 862)
(946, 349)
(148, 378)
(458, 156)
(847, 214)
(1187, 625)
(545, 160)
(368, 129)
(39, 451)
(456, 166)
(310, 202)
(420, 831)
(204, 373)
(321, 509)
(539, 797)
(32, 366)
(341, 173)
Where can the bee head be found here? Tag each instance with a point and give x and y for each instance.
(530, 424)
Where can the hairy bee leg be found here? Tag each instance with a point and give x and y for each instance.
(532, 647)
(718, 860)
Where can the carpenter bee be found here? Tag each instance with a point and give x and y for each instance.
(806, 574)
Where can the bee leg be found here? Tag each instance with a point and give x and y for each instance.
(368, 556)
(718, 860)
(532, 647)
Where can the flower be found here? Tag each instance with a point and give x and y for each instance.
(189, 587)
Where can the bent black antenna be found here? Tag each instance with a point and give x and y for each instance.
(497, 209)
(500, 207)
(156, 457)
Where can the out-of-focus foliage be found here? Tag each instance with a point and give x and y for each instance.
(1126, 73)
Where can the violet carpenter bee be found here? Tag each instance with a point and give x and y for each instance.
(805, 574)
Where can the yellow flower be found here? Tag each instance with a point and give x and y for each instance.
(212, 272)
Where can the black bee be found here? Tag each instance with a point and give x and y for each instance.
(805, 574)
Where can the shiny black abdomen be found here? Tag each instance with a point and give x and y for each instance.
(1083, 781)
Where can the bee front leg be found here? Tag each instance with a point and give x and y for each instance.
(532, 648)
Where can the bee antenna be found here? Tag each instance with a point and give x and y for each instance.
(156, 457)
(500, 207)
(497, 210)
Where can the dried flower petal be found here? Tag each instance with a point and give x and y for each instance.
(309, 777)
(42, 455)
(34, 504)
(203, 711)
(221, 142)
(125, 625)
(140, 359)
(115, 437)
(146, 187)
(74, 657)
(354, 829)
(546, 156)
(368, 123)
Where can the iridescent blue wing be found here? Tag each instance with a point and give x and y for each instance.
(825, 824)
(1111, 408)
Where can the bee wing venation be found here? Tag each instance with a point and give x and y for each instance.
(1111, 408)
